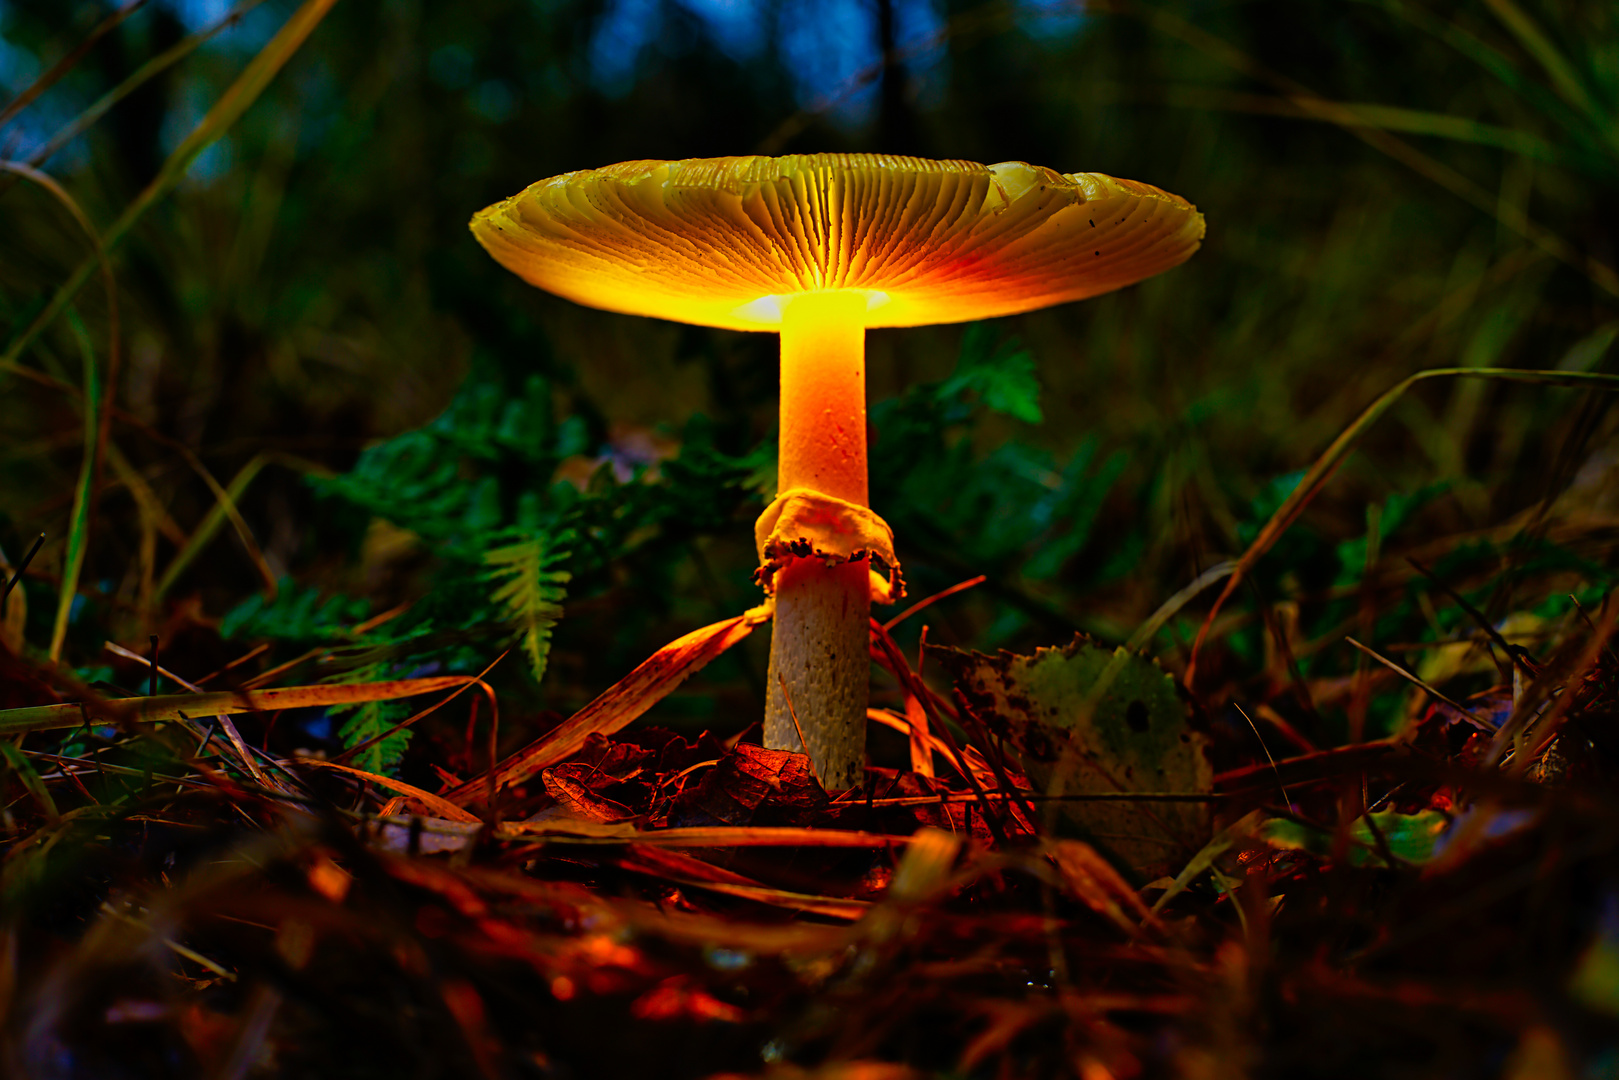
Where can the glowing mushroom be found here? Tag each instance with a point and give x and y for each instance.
(818, 248)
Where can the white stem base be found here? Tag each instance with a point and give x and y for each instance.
(819, 647)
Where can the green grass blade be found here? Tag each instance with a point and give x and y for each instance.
(1601, 274)
(1502, 68)
(1381, 117)
(78, 535)
(217, 515)
(148, 71)
(1562, 74)
(98, 259)
(226, 111)
(31, 781)
(1327, 464)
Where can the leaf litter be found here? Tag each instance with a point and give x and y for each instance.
(717, 895)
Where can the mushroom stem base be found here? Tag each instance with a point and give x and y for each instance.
(819, 648)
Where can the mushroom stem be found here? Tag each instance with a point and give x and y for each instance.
(819, 652)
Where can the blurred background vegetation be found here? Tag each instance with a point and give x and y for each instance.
(1390, 185)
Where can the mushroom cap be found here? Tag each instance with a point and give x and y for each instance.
(725, 241)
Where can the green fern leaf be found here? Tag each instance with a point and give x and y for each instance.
(371, 719)
(530, 592)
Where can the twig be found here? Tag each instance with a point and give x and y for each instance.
(1435, 694)
(1287, 800)
(792, 712)
(236, 663)
(903, 672)
(960, 586)
(1514, 652)
(350, 753)
(26, 559)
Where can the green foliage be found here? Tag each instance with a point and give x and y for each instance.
(999, 371)
(1411, 838)
(369, 719)
(309, 286)
(531, 592)
(298, 614)
(1013, 510)
(479, 486)
(489, 463)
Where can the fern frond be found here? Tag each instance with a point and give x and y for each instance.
(530, 592)
(371, 719)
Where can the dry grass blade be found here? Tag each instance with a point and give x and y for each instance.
(1356, 114)
(975, 760)
(446, 810)
(151, 506)
(244, 756)
(130, 654)
(917, 689)
(718, 836)
(1095, 882)
(1306, 768)
(620, 704)
(31, 782)
(148, 71)
(1171, 607)
(98, 412)
(1322, 470)
(477, 680)
(224, 509)
(1547, 699)
(33, 549)
(679, 869)
(1449, 703)
(68, 62)
(1424, 165)
(226, 111)
(1478, 618)
(929, 601)
(179, 706)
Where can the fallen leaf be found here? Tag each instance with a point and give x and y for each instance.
(620, 704)
(580, 801)
(1088, 720)
(751, 785)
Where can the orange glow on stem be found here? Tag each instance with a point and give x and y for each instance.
(823, 395)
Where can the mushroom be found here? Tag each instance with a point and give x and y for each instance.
(818, 248)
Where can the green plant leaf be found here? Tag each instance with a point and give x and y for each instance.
(1410, 837)
(369, 719)
(1085, 719)
(78, 534)
(530, 592)
(1000, 371)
